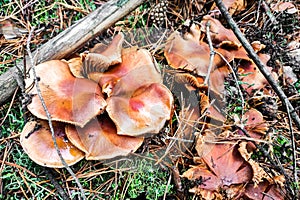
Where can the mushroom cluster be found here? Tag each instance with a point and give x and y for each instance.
(189, 54)
(222, 167)
(102, 105)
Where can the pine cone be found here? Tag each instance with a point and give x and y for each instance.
(157, 14)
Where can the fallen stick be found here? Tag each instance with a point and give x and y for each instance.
(69, 41)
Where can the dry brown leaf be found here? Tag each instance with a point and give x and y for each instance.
(259, 173)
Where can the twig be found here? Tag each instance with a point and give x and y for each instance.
(211, 54)
(236, 82)
(167, 187)
(258, 62)
(268, 12)
(294, 152)
(59, 189)
(49, 116)
(9, 108)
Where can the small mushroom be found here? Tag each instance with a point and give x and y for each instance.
(218, 32)
(68, 99)
(36, 140)
(252, 78)
(143, 111)
(189, 53)
(100, 58)
(99, 139)
(220, 168)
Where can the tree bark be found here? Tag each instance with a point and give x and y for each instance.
(69, 41)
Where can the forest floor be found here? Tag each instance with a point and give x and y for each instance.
(162, 168)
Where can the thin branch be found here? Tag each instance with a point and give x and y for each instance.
(59, 189)
(294, 152)
(36, 82)
(211, 58)
(211, 54)
(236, 83)
(258, 62)
(10, 106)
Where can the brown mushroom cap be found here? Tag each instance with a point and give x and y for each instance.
(99, 139)
(68, 99)
(144, 111)
(252, 78)
(189, 53)
(218, 32)
(137, 68)
(223, 166)
(37, 142)
(100, 58)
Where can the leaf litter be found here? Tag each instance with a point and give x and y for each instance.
(231, 165)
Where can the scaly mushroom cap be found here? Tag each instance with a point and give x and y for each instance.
(37, 142)
(68, 99)
(144, 111)
(99, 139)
